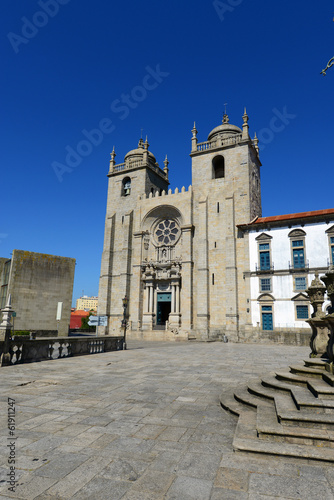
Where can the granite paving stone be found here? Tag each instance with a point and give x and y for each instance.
(189, 488)
(291, 487)
(146, 424)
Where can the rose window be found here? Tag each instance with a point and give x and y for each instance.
(167, 232)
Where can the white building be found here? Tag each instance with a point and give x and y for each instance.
(285, 252)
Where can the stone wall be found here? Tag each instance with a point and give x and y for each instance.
(37, 283)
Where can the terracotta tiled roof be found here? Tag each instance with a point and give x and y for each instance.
(80, 313)
(290, 217)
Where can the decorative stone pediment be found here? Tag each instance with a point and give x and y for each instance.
(263, 236)
(301, 296)
(330, 230)
(297, 233)
(265, 297)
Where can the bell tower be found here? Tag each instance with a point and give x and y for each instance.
(227, 192)
(138, 177)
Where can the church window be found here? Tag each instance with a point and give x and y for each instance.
(167, 232)
(213, 278)
(332, 249)
(218, 207)
(218, 167)
(126, 186)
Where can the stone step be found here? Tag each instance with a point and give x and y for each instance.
(321, 389)
(260, 446)
(242, 395)
(306, 371)
(245, 441)
(229, 403)
(302, 396)
(270, 429)
(258, 389)
(291, 378)
(328, 378)
(315, 363)
(273, 383)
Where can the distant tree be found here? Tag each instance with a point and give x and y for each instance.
(84, 322)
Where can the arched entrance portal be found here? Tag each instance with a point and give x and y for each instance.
(164, 307)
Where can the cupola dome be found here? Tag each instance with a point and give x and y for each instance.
(226, 129)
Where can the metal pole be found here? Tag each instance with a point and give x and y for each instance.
(124, 323)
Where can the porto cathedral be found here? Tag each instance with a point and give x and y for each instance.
(179, 256)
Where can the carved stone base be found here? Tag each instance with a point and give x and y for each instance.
(330, 348)
(148, 321)
(174, 320)
(320, 337)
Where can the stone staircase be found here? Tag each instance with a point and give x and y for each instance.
(287, 413)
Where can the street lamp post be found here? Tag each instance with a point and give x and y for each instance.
(125, 305)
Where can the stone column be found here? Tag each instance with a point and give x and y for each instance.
(328, 279)
(320, 331)
(5, 332)
(149, 315)
(175, 316)
(177, 299)
(151, 310)
(173, 300)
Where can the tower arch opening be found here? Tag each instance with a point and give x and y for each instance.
(218, 167)
(126, 186)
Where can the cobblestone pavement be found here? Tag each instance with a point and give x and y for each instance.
(144, 424)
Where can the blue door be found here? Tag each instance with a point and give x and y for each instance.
(267, 318)
(264, 261)
(267, 321)
(298, 259)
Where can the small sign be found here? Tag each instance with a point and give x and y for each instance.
(59, 311)
(93, 321)
(103, 320)
(98, 320)
(14, 314)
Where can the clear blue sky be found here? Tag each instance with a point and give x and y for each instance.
(63, 72)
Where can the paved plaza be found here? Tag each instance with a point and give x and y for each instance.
(144, 424)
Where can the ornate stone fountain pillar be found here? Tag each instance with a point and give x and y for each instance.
(328, 279)
(320, 329)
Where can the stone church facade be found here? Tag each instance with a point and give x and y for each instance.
(179, 256)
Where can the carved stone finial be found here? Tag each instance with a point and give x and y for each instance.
(166, 169)
(256, 143)
(194, 139)
(316, 293)
(245, 126)
(112, 160)
(225, 119)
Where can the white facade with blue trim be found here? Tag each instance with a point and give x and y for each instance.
(285, 252)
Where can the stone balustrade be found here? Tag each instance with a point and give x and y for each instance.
(28, 351)
(220, 142)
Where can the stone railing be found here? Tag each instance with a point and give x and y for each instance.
(119, 167)
(136, 164)
(204, 146)
(220, 142)
(28, 351)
